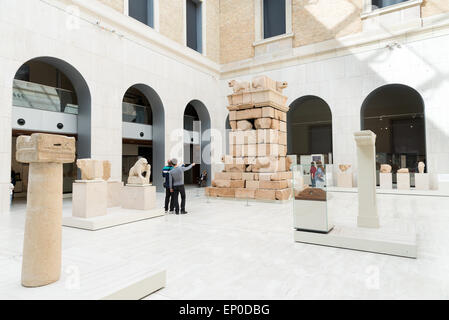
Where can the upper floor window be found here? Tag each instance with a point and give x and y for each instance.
(142, 10)
(274, 18)
(194, 26)
(385, 3)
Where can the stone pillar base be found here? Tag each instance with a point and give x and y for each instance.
(386, 180)
(368, 221)
(344, 180)
(139, 197)
(89, 198)
(403, 181)
(114, 193)
(422, 181)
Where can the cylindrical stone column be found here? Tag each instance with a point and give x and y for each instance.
(42, 242)
(45, 153)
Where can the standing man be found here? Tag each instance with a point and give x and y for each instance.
(313, 170)
(168, 195)
(176, 182)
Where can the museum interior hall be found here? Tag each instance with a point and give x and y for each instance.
(224, 149)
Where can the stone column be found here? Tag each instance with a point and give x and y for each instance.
(45, 153)
(366, 166)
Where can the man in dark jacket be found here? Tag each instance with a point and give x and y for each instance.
(168, 194)
(176, 182)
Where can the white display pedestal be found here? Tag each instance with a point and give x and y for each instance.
(422, 181)
(89, 198)
(403, 181)
(344, 180)
(114, 193)
(386, 181)
(138, 197)
(398, 239)
(311, 216)
(116, 216)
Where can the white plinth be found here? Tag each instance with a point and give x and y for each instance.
(311, 215)
(397, 238)
(89, 198)
(115, 217)
(403, 181)
(344, 180)
(386, 181)
(114, 193)
(422, 181)
(139, 197)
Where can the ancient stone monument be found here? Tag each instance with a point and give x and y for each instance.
(344, 177)
(43, 227)
(139, 194)
(90, 194)
(258, 166)
(366, 169)
(385, 177)
(422, 180)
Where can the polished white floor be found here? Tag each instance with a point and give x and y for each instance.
(224, 249)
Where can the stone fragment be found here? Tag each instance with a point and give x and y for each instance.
(249, 114)
(91, 169)
(273, 185)
(140, 173)
(385, 168)
(284, 194)
(243, 193)
(263, 123)
(244, 125)
(263, 194)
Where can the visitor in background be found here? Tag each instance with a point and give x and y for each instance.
(202, 179)
(168, 195)
(312, 174)
(320, 175)
(176, 182)
(11, 192)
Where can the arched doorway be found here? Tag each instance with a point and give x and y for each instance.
(395, 113)
(143, 131)
(197, 137)
(309, 124)
(50, 96)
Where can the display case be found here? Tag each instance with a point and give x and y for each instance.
(310, 209)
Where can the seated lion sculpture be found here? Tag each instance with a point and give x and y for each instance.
(136, 173)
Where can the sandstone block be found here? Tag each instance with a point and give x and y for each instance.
(248, 114)
(267, 136)
(236, 150)
(232, 115)
(221, 183)
(252, 185)
(273, 185)
(223, 175)
(284, 194)
(282, 138)
(233, 125)
(236, 175)
(237, 183)
(225, 192)
(244, 125)
(235, 167)
(283, 126)
(91, 169)
(275, 124)
(250, 150)
(278, 176)
(243, 137)
(243, 193)
(248, 176)
(263, 194)
(268, 112)
(263, 123)
(265, 176)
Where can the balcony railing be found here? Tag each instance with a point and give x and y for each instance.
(38, 96)
(136, 114)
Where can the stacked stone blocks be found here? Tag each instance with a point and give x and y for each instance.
(257, 166)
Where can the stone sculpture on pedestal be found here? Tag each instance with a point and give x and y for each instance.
(344, 178)
(366, 168)
(136, 174)
(139, 194)
(422, 180)
(385, 177)
(90, 194)
(403, 179)
(45, 153)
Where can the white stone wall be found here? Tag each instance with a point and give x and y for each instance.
(110, 64)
